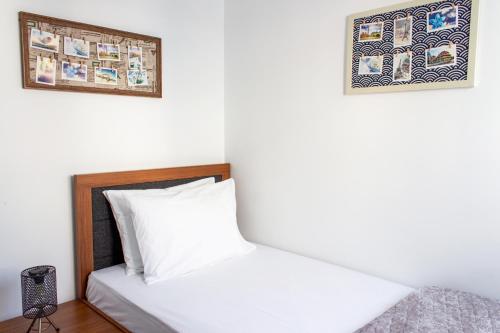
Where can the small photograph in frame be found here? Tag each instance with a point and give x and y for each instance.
(403, 31)
(76, 47)
(43, 40)
(371, 65)
(110, 52)
(371, 32)
(137, 78)
(441, 56)
(45, 71)
(73, 72)
(134, 57)
(445, 18)
(106, 75)
(402, 67)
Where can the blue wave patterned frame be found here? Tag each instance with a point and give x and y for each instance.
(421, 41)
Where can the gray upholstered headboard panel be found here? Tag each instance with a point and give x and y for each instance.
(106, 240)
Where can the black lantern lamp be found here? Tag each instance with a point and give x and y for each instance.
(39, 296)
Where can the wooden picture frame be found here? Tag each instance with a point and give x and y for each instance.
(360, 83)
(94, 34)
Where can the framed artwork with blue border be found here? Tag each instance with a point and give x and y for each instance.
(418, 45)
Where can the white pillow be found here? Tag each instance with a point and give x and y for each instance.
(178, 233)
(123, 217)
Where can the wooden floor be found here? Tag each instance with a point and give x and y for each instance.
(71, 317)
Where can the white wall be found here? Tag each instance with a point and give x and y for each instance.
(404, 186)
(45, 137)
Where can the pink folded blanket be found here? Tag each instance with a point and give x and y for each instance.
(438, 310)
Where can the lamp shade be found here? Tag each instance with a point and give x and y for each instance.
(39, 291)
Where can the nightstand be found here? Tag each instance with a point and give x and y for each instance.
(71, 317)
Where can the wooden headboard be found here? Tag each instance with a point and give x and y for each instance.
(97, 239)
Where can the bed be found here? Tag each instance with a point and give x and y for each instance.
(269, 290)
(289, 293)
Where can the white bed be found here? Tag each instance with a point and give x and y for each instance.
(266, 291)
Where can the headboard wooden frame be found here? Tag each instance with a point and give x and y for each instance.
(83, 185)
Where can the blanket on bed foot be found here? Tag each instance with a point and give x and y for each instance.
(438, 310)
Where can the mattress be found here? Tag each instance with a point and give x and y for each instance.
(268, 290)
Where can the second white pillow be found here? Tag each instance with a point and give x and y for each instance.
(182, 232)
(123, 217)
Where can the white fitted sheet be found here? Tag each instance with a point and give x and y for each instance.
(266, 291)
